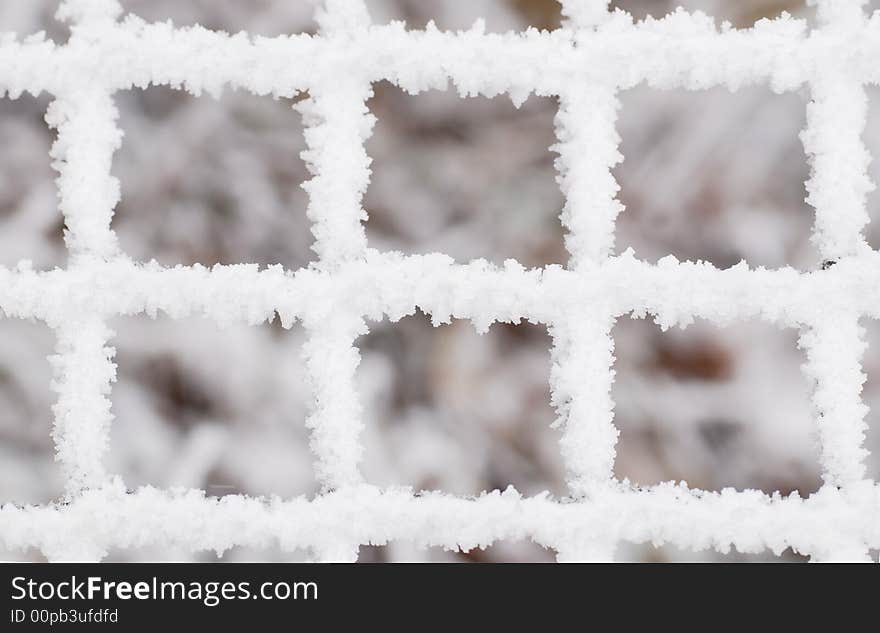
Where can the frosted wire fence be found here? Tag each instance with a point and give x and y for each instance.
(584, 64)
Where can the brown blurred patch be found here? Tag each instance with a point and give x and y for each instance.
(702, 360)
(541, 14)
(507, 551)
(767, 9)
(742, 13)
(180, 397)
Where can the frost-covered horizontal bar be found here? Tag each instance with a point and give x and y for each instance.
(681, 49)
(393, 286)
(829, 525)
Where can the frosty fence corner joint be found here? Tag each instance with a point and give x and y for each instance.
(584, 64)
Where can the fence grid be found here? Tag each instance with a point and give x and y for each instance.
(594, 55)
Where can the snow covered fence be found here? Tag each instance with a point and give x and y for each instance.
(584, 64)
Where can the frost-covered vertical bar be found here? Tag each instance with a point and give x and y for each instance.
(837, 190)
(582, 345)
(834, 346)
(83, 372)
(337, 124)
(836, 118)
(833, 339)
(85, 117)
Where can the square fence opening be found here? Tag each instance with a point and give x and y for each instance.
(498, 16)
(715, 176)
(30, 226)
(258, 17)
(872, 142)
(266, 553)
(740, 13)
(425, 147)
(500, 552)
(218, 409)
(716, 407)
(454, 411)
(871, 396)
(647, 553)
(28, 472)
(227, 190)
(38, 16)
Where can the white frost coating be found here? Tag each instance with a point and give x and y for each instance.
(839, 183)
(834, 348)
(582, 372)
(84, 370)
(588, 144)
(584, 64)
(826, 525)
(83, 153)
(337, 124)
(83, 366)
(581, 378)
(335, 424)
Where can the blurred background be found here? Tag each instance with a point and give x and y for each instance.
(707, 175)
